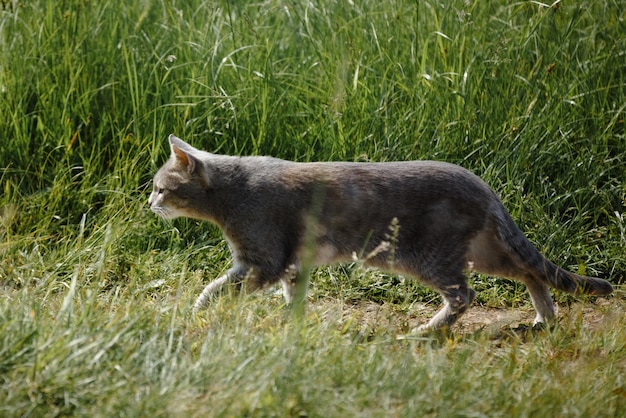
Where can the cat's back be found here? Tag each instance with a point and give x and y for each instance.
(423, 175)
(424, 178)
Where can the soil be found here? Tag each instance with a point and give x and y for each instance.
(371, 318)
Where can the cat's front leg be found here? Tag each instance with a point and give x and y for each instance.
(209, 290)
(232, 276)
(289, 282)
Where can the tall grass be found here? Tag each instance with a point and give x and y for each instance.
(95, 292)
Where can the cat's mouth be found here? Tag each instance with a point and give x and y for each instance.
(163, 212)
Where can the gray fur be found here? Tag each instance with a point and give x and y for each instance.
(447, 220)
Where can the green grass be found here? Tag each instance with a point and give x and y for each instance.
(95, 291)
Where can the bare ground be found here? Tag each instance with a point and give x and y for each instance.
(372, 318)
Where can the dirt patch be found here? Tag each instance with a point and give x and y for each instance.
(372, 318)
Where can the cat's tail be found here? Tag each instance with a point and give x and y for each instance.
(542, 268)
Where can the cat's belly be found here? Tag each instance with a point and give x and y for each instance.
(325, 254)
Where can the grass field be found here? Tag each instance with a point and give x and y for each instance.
(96, 292)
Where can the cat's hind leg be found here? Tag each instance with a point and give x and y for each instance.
(457, 297)
(489, 255)
(541, 298)
(441, 266)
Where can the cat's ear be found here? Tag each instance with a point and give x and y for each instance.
(182, 152)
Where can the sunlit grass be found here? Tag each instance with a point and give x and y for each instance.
(95, 292)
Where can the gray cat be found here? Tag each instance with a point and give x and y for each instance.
(445, 220)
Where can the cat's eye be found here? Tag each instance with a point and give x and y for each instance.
(160, 191)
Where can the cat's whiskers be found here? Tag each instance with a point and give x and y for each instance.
(161, 211)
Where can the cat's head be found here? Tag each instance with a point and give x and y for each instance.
(179, 186)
